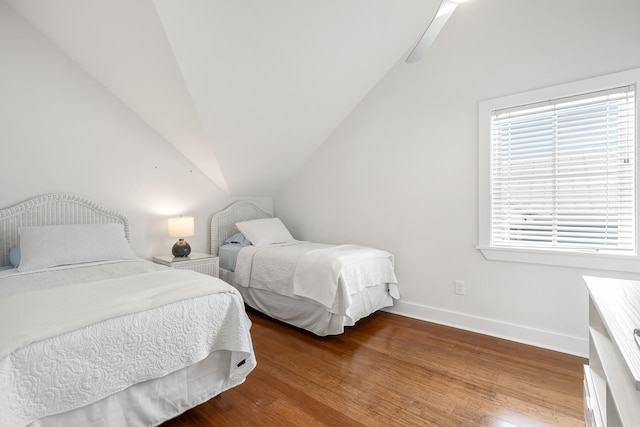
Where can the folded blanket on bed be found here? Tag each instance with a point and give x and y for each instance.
(34, 316)
(319, 272)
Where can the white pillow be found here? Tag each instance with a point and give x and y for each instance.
(266, 231)
(55, 245)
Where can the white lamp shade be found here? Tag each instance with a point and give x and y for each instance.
(181, 227)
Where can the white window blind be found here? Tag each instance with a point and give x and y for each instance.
(563, 173)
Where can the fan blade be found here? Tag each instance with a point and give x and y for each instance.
(437, 23)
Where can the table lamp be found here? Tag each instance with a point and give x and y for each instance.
(181, 227)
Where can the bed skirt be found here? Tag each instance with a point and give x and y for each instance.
(309, 315)
(153, 402)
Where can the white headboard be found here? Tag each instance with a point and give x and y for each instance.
(223, 223)
(52, 209)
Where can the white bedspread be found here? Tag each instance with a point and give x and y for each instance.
(69, 345)
(325, 274)
(320, 272)
(271, 267)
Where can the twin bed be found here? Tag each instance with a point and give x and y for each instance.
(317, 287)
(92, 335)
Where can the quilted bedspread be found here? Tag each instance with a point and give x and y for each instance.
(69, 346)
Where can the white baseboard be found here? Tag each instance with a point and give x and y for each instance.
(550, 340)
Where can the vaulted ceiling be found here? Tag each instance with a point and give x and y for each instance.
(245, 89)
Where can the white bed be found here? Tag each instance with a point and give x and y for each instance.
(108, 339)
(317, 287)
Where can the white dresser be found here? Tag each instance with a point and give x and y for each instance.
(612, 378)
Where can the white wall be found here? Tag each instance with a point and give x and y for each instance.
(401, 172)
(60, 131)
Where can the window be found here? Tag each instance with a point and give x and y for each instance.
(558, 183)
(562, 173)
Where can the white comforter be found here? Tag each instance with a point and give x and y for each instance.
(69, 344)
(325, 274)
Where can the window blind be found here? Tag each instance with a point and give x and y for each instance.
(563, 173)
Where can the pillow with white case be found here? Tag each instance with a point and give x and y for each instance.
(265, 231)
(55, 245)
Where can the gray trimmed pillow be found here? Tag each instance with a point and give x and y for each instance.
(237, 239)
(14, 256)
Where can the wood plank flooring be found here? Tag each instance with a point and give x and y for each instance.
(390, 370)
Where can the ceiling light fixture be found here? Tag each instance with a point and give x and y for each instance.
(437, 23)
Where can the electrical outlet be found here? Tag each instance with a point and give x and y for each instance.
(459, 287)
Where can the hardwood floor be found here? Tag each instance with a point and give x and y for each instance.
(389, 370)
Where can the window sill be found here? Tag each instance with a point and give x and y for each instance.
(591, 261)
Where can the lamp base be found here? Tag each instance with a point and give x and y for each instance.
(181, 248)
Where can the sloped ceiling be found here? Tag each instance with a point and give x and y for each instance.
(245, 89)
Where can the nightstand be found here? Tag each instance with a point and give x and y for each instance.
(202, 263)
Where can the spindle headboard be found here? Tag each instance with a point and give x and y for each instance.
(223, 223)
(52, 209)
